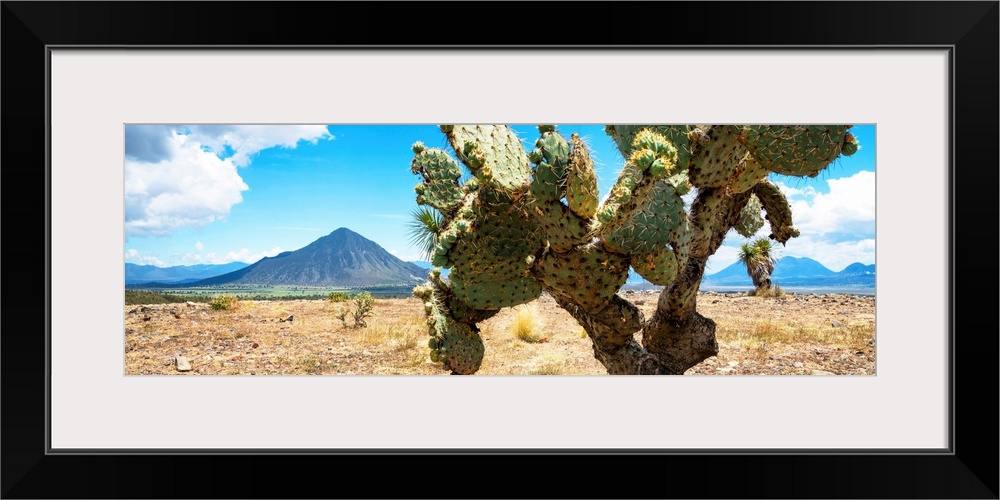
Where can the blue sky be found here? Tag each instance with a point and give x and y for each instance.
(213, 194)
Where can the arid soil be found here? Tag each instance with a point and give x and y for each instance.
(790, 335)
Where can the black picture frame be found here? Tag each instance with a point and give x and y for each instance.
(968, 29)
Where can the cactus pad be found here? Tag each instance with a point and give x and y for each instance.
(455, 344)
(678, 135)
(646, 221)
(493, 153)
(581, 181)
(715, 160)
(799, 150)
(653, 152)
(552, 154)
(779, 213)
(658, 266)
(748, 173)
(559, 226)
(440, 188)
(491, 294)
(589, 274)
(750, 220)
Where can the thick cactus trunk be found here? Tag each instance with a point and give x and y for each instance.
(676, 337)
(676, 333)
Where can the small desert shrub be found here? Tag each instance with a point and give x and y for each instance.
(338, 297)
(363, 305)
(342, 315)
(225, 302)
(525, 324)
(767, 293)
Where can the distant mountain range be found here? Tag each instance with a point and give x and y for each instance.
(798, 271)
(137, 274)
(345, 258)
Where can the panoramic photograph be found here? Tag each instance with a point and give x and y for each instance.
(499, 249)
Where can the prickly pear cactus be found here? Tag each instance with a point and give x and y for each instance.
(531, 221)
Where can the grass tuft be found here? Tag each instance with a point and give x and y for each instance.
(526, 323)
(394, 336)
(549, 365)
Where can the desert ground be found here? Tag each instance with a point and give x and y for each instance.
(789, 335)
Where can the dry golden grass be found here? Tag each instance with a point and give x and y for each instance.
(752, 333)
(788, 335)
(549, 364)
(526, 324)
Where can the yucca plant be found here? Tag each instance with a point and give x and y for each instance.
(758, 257)
(424, 228)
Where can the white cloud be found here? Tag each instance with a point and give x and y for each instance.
(199, 246)
(243, 255)
(245, 141)
(192, 188)
(133, 256)
(175, 178)
(792, 192)
(848, 209)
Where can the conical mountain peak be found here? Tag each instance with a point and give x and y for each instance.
(341, 258)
